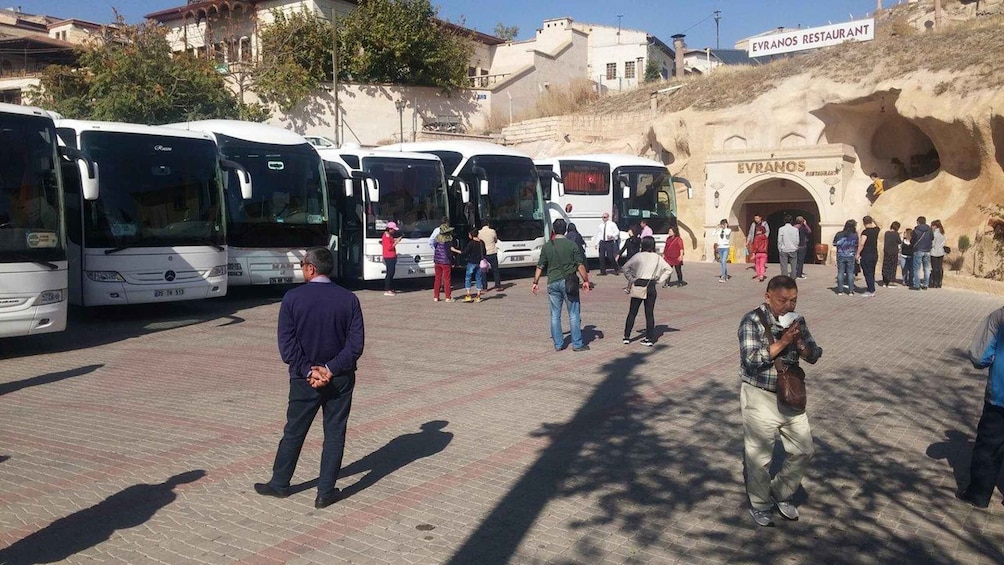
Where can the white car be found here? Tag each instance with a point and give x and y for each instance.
(320, 142)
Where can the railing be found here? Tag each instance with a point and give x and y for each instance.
(484, 81)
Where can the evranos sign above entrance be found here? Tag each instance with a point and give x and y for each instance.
(812, 38)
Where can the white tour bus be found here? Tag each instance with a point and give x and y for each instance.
(269, 233)
(372, 187)
(155, 232)
(494, 183)
(33, 276)
(582, 188)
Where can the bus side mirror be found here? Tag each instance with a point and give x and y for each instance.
(373, 189)
(88, 170)
(243, 177)
(465, 189)
(557, 179)
(349, 191)
(88, 178)
(483, 187)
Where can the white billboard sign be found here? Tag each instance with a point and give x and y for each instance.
(812, 38)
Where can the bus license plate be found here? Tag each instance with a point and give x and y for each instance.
(169, 292)
(517, 258)
(280, 280)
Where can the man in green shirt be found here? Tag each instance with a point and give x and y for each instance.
(562, 258)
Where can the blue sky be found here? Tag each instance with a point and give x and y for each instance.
(739, 18)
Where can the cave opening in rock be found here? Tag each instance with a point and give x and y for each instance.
(885, 142)
(997, 135)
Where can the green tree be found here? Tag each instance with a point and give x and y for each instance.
(133, 77)
(295, 58)
(505, 32)
(402, 42)
(652, 71)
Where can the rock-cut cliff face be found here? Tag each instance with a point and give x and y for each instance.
(933, 130)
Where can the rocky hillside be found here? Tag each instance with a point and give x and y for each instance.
(931, 99)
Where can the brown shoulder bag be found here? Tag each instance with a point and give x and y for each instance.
(790, 378)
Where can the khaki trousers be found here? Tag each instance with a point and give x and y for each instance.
(763, 421)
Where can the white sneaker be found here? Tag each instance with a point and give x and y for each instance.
(762, 517)
(787, 510)
(389, 293)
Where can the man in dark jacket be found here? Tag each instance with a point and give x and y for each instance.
(321, 338)
(922, 239)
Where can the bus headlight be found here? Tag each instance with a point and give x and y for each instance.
(51, 297)
(376, 258)
(105, 276)
(218, 271)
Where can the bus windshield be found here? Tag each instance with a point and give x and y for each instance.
(155, 191)
(651, 198)
(513, 202)
(287, 208)
(31, 224)
(412, 194)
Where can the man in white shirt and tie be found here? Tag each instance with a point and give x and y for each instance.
(607, 242)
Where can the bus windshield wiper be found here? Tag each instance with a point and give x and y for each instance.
(46, 264)
(209, 242)
(117, 249)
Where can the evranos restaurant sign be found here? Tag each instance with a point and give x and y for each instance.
(813, 38)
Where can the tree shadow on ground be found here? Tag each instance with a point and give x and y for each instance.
(14, 386)
(91, 526)
(661, 464)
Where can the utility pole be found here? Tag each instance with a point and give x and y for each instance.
(718, 18)
(619, 16)
(334, 71)
(937, 15)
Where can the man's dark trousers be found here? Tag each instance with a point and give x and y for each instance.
(800, 261)
(334, 401)
(988, 455)
(608, 256)
(493, 262)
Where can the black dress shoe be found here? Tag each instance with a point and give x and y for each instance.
(266, 489)
(966, 497)
(326, 500)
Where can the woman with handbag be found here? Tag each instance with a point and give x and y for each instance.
(644, 272)
(673, 254)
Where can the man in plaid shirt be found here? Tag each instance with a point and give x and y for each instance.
(763, 418)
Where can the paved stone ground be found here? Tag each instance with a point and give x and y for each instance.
(135, 436)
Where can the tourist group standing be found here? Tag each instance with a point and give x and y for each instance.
(919, 252)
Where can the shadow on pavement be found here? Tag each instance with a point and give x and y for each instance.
(89, 527)
(91, 327)
(398, 453)
(646, 464)
(14, 386)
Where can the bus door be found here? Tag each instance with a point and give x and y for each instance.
(345, 221)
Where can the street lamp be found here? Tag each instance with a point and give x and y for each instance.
(400, 104)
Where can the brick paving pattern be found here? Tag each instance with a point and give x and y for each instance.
(135, 436)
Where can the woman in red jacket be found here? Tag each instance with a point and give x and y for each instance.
(673, 254)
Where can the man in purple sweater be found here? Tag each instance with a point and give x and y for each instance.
(320, 338)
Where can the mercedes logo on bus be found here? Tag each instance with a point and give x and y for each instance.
(170, 276)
